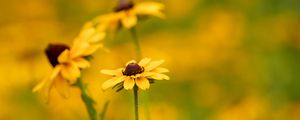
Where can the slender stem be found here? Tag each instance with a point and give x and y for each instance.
(138, 56)
(102, 114)
(136, 104)
(136, 44)
(88, 101)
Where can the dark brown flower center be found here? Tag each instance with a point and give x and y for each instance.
(53, 51)
(133, 69)
(123, 5)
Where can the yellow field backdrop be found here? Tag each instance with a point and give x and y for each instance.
(228, 60)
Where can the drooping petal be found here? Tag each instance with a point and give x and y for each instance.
(128, 83)
(64, 56)
(159, 76)
(47, 80)
(150, 8)
(117, 72)
(81, 62)
(152, 65)
(47, 89)
(62, 86)
(113, 81)
(70, 72)
(49, 83)
(144, 61)
(129, 20)
(40, 85)
(160, 70)
(143, 83)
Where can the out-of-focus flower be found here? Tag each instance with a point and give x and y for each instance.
(140, 74)
(68, 61)
(127, 14)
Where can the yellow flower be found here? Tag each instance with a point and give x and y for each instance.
(68, 62)
(127, 13)
(140, 74)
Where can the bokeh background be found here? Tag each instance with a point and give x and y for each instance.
(228, 60)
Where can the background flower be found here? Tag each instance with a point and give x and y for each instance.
(127, 13)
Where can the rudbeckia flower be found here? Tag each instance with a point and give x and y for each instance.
(140, 74)
(68, 61)
(127, 13)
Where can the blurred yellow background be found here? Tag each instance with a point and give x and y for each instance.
(228, 60)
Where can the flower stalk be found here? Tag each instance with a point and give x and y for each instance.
(138, 56)
(136, 43)
(102, 114)
(136, 103)
(88, 101)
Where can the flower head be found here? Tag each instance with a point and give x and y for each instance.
(68, 61)
(127, 13)
(53, 51)
(140, 74)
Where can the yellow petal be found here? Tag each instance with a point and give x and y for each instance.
(47, 89)
(144, 61)
(160, 70)
(101, 27)
(159, 76)
(91, 49)
(128, 83)
(150, 8)
(111, 17)
(70, 72)
(64, 56)
(47, 80)
(152, 65)
(147, 74)
(56, 71)
(62, 87)
(97, 37)
(113, 81)
(129, 20)
(143, 83)
(108, 21)
(81, 62)
(86, 34)
(78, 48)
(112, 72)
(131, 61)
(40, 85)
(87, 25)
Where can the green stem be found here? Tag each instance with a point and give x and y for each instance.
(136, 104)
(102, 114)
(138, 57)
(88, 101)
(136, 44)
